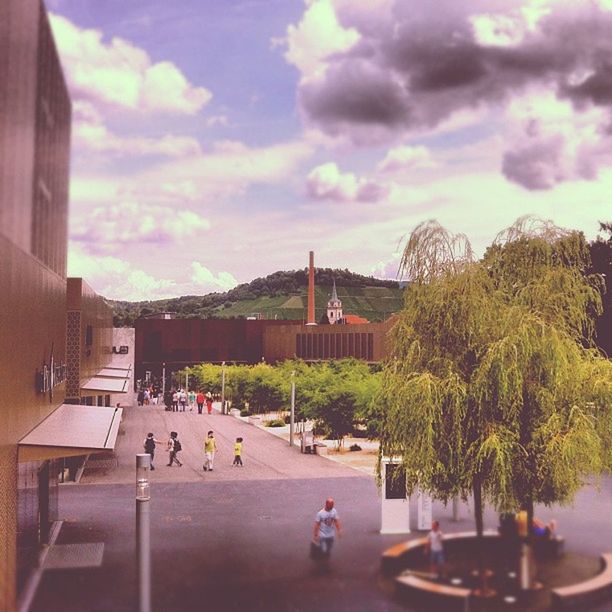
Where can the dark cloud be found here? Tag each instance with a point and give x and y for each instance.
(355, 92)
(535, 166)
(418, 69)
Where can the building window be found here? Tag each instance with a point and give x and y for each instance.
(89, 335)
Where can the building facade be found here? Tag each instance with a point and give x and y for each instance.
(38, 429)
(35, 116)
(173, 344)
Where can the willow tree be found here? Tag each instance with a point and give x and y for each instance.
(491, 385)
(448, 322)
(543, 386)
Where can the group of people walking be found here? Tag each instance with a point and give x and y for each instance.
(177, 400)
(174, 447)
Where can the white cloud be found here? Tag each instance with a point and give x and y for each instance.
(326, 182)
(221, 120)
(202, 276)
(115, 278)
(120, 74)
(387, 268)
(133, 223)
(551, 142)
(499, 30)
(316, 37)
(401, 159)
(90, 133)
(225, 171)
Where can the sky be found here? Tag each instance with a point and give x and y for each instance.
(217, 142)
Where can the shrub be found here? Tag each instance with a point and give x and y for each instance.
(275, 423)
(355, 447)
(245, 412)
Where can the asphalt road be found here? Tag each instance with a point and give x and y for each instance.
(237, 539)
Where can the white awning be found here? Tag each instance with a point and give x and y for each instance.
(72, 430)
(114, 373)
(106, 385)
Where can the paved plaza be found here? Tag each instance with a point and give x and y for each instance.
(237, 538)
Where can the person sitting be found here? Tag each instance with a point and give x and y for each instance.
(541, 529)
(538, 529)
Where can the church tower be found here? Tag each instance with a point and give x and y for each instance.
(334, 307)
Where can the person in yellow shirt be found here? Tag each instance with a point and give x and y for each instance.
(210, 447)
(238, 452)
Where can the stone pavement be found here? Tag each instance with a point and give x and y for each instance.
(237, 539)
(265, 456)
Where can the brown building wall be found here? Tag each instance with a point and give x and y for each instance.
(34, 135)
(322, 342)
(33, 322)
(34, 160)
(89, 340)
(180, 342)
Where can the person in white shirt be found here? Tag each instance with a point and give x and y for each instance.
(327, 524)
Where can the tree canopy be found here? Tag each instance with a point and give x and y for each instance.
(493, 383)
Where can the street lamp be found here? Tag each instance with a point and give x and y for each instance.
(292, 417)
(143, 531)
(223, 387)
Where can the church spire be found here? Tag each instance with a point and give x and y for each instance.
(334, 295)
(334, 307)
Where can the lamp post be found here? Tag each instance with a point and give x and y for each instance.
(223, 387)
(164, 380)
(292, 417)
(143, 531)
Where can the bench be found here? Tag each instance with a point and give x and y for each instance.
(433, 595)
(395, 557)
(587, 592)
(549, 546)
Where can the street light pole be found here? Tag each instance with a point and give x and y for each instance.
(143, 531)
(223, 387)
(292, 417)
(164, 380)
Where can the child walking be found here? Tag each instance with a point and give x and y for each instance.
(238, 452)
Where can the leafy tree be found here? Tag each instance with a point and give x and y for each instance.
(488, 378)
(336, 412)
(601, 263)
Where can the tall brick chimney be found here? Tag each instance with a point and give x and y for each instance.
(311, 299)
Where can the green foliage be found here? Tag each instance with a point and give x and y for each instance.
(489, 379)
(338, 394)
(275, 423)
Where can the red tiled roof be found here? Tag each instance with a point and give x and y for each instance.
(354, 320)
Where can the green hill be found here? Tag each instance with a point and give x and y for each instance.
(282, 295)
